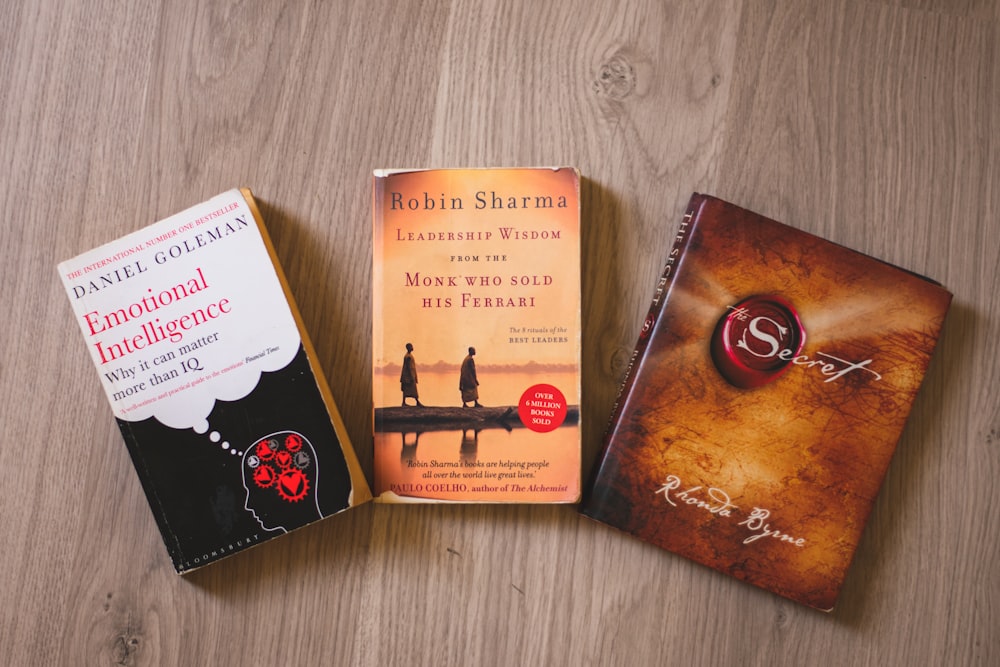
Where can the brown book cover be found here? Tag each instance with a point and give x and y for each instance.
(770, 384)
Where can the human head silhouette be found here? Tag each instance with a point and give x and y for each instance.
(280, 474)
(472, 351)
(409, 347)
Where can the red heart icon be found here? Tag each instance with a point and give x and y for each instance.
(293, 485)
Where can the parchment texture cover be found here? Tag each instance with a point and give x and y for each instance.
(213, 381)
(770, 385)
(476, 335)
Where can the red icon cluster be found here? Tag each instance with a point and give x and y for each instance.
(280, 466)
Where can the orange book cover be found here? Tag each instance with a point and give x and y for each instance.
(772, 379)
(476, 335)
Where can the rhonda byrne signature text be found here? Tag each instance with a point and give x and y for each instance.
(716, 501)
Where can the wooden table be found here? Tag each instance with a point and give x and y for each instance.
(874, 124)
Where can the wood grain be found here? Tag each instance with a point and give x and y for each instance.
(875, 124)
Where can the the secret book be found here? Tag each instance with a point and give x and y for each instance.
(771, 381)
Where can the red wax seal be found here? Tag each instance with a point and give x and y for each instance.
(755, 341)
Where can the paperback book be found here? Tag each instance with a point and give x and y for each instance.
(769, 387)
(476, 335)
(213, 381)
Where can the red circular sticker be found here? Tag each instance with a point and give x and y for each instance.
(542, 408)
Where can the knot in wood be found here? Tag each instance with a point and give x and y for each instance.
(616, 78)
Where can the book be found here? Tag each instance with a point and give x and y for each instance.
(213, 380)
(770, 384)
(476, 335)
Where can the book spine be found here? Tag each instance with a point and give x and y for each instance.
(660, 296)
(378, 188)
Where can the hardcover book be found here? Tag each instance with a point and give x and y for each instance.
(476, 335)
(213, 381)
(770, 384)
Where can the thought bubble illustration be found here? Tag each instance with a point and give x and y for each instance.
(216, 438)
